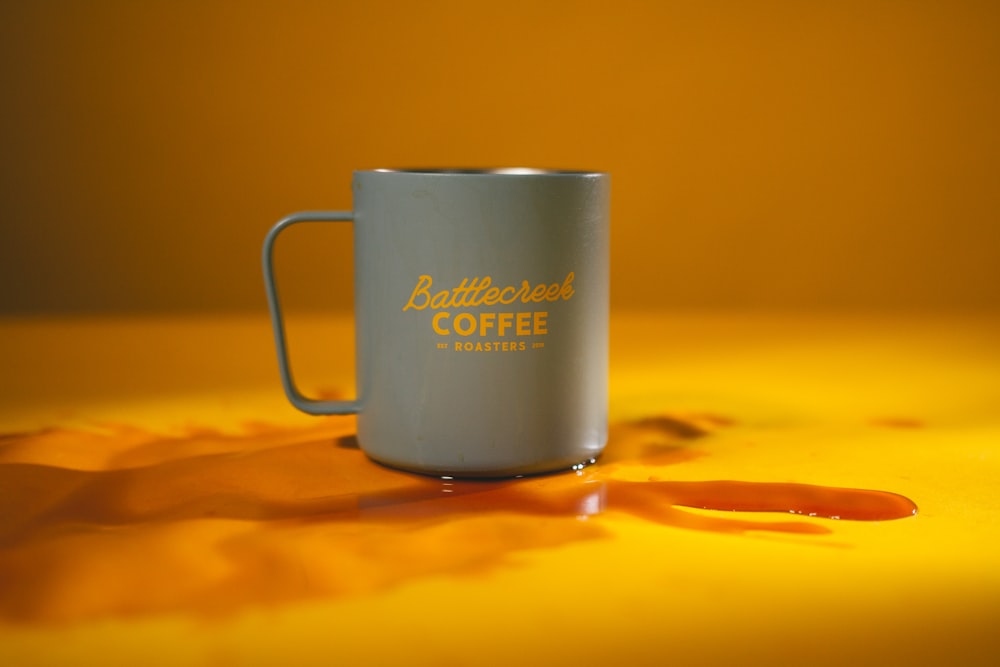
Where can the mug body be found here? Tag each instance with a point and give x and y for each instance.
(481, 304)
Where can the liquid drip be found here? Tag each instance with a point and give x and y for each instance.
(102, 523)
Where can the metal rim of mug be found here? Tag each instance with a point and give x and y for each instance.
(498, 171)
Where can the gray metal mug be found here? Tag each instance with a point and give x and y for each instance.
(481, 301)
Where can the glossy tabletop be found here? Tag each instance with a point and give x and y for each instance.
(800, 489)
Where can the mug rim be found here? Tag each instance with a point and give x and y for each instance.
(483, 171)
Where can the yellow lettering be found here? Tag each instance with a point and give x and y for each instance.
(486, 321)
(482, 292)
(440, 300)
(525, 292)
(422, 289)
(477, 289)
(438, 329)
(567, 287)
(463, 329)
(541, 326)
(490, 346)
(491, 297)
(523, 324)
(457, 295)
(505, 321)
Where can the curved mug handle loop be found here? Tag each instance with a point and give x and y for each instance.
(307, 405)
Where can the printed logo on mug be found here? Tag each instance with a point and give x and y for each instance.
(481, 311)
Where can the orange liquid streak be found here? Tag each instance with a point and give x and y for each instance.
(94, 524)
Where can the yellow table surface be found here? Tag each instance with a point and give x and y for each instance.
(160, 503)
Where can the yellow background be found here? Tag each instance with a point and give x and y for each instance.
(763, 154)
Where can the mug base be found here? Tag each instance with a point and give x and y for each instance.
(490, 474)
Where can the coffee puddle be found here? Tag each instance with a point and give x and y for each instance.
(122, 521)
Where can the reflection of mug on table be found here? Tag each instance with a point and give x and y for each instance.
(481, 319)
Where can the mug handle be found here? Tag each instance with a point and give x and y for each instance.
(307, 405)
